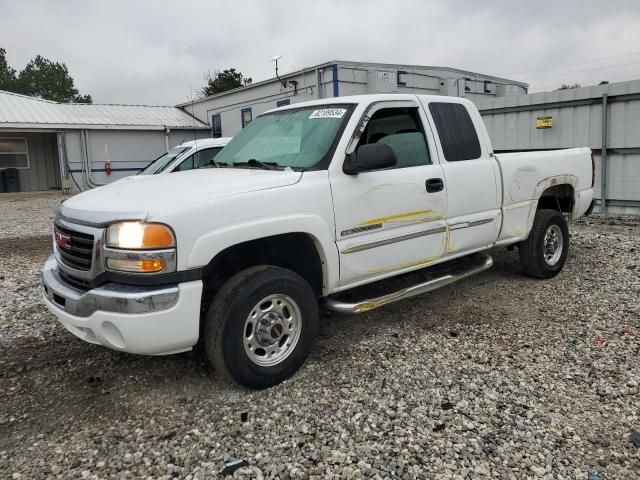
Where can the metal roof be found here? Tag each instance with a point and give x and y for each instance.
(346, 63)
(19, 111)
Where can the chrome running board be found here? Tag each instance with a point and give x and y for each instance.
(418, 289)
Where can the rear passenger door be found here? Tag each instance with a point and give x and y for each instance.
(387, 220)
(471, 175)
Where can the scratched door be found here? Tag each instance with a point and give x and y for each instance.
(386, 220)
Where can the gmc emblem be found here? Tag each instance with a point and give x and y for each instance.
(63, 241)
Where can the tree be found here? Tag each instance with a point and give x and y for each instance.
(43, 78)
(569, 87)
(222, 81)
(7, 74)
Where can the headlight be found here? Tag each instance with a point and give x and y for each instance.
(140, 236)
(139, 247)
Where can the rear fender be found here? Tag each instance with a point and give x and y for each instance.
(548, 183)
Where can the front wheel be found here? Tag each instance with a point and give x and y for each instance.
(261, 325)
(544, 253)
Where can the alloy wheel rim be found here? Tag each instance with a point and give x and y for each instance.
(552, 246)
(272, 330)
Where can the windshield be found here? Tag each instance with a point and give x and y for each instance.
(163, 161)
(297, 138)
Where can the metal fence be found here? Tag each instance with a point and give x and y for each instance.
(605, 118)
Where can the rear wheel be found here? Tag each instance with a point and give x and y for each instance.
(261, 325)
(544, 253)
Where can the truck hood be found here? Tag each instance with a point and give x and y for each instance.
(143, 196)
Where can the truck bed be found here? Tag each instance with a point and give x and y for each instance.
(521, 185)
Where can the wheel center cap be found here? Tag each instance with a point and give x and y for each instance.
(276, 331)
(270, 328)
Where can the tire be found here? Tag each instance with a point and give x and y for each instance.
(537, 256)
(237, 340)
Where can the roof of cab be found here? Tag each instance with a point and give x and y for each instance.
(207, 142)
(380, 97)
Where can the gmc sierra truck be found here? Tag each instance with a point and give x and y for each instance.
(306, 204)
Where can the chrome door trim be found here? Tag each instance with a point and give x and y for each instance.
(475, 223)
(388, 241)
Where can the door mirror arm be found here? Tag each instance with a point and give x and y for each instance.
(350, 166)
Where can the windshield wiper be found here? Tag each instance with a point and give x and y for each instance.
(257, 163)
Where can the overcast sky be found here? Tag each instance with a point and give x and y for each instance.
(157, 52)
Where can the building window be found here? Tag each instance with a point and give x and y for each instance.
(216, 125)
(13, 153)
(245, 116)
(400, 78)
(283, 102)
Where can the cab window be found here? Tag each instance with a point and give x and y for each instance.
(205, 158)
(458, 136)
(186, 164)
(202, 159)
(401, 129)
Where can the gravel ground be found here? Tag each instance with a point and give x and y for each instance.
(27, 214)
(500, 376)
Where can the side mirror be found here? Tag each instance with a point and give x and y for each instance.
(373, 156)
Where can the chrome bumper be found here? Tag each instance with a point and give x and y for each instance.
(111, 297)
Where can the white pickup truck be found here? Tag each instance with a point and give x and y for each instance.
(307, 203)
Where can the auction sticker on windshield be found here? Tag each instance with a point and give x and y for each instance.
(329, 113)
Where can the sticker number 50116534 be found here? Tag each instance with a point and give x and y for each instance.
(329, 113)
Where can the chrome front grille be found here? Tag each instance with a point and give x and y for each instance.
(75, 248)
(78, 252)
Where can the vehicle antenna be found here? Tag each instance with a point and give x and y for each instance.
(193, 117)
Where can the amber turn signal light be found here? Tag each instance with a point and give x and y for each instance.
(137, 266)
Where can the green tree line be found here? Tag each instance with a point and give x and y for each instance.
(41, 78)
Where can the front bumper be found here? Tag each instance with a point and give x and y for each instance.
(154, 320)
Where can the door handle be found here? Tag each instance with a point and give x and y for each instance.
(434, 185)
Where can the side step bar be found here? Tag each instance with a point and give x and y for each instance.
(418, 289)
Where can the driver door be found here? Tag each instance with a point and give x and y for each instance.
(393, 219)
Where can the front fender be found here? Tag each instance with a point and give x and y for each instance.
(211, 244)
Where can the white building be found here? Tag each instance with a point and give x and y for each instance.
(228, 112)
(47, 145)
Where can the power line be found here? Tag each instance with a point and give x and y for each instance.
(572, 64)
(556, 75)
(543, 88)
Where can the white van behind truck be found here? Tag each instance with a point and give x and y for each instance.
(307, 203)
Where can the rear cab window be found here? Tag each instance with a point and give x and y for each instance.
(458, 135)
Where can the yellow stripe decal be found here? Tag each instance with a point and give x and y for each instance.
(395, 217)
